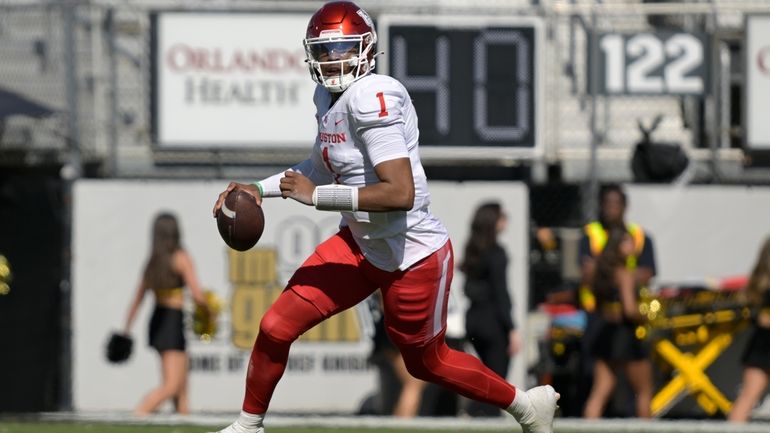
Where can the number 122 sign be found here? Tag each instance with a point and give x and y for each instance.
(474, 81)
(661, 63)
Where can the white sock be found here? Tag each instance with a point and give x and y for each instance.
(521, 407)
(251, 421)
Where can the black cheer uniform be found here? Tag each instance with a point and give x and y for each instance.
(167, 324)
(616, 341)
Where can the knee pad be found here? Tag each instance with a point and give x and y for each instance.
(275, 327)
(288, 318)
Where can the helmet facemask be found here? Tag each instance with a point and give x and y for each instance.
(336, 61)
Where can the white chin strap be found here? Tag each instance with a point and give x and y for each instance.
(338, 83)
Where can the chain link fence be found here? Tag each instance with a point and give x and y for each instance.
(109, 78)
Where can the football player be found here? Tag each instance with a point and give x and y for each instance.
(365, 164)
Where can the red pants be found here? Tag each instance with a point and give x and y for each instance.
(336, 277)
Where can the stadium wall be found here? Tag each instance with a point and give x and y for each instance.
(702, 231)
(698, 232)
(328, 369)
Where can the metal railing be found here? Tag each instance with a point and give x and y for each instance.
(88, 64)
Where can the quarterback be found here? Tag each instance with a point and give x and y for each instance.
(365, 164)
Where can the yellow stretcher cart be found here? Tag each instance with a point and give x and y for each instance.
(703, 320)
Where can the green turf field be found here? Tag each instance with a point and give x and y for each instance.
(36, 426)
(27, 427)
(62, 427)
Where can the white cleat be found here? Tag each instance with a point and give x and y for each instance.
(543, 406)
(236, 427)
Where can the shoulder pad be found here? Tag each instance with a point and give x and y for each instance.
(378, 100)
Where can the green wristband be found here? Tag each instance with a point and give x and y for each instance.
(261, 191)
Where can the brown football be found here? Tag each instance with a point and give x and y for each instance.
(240, 220)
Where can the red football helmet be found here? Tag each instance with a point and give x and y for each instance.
(339, 44)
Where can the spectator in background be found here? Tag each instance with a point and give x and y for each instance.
(616, 346)
(399, 393)
(488, 321)
(545, 267)
(387, 357)
(756, 356)
(641, 263)
(168, 271)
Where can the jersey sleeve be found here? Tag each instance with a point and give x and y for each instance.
(385, 143)
(378, 101)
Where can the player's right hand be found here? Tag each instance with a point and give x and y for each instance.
(249, 188)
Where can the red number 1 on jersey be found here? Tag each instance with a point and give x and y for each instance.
(383, 111)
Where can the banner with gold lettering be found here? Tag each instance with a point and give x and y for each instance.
(328, 369)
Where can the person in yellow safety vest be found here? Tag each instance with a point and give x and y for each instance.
(615, 347)
(613, 203)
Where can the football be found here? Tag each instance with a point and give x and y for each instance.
(240, 220)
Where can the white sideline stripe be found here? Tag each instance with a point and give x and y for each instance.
(561, 425)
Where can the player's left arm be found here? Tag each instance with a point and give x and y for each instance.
(377, 118)
(394, 191)
(379, 121)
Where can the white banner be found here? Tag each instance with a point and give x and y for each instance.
(757, 81)
(231, 80)
(328, 368)
(702, 231)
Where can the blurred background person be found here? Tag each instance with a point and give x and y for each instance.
(488, 322)
(756, 355)
(401, 397)
(616, 347)
(168, 271)
(613, 203)
(400, 394)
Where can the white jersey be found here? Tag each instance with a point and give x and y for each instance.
(389, 240)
